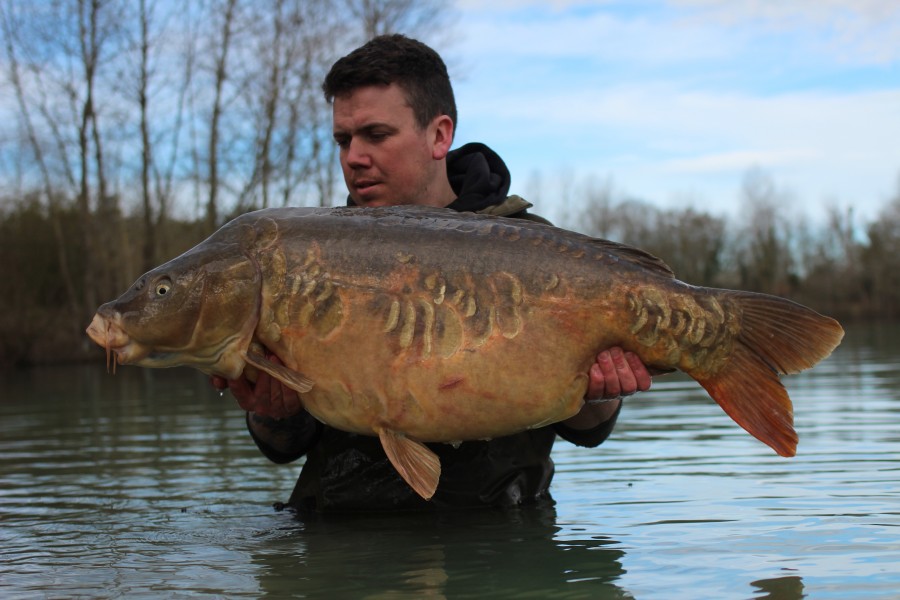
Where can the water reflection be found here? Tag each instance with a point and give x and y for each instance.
(789, 587)
(506, 554)
(146, 485)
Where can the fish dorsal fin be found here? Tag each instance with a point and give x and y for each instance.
(641, 258)
(294, 380)
(417, 465)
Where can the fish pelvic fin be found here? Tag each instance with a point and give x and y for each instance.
(417, 465)
(294, 380)
(777, 337)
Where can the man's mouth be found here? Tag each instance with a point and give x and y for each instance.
(364, 185)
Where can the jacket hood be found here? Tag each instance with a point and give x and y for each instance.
(479, 177)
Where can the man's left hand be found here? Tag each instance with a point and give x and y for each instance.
(614, 374)
(617, 373)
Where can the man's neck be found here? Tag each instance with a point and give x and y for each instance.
(439, 193)
(446, 195)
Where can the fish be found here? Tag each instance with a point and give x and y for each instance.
(419, 325)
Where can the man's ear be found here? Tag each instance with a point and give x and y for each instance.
(442, 135)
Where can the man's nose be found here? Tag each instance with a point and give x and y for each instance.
(357, 155)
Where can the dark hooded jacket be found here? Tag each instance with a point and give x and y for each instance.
(350, 472)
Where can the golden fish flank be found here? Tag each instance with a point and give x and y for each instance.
(442, 317)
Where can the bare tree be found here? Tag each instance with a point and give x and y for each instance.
(148, 255)
(278, 89)
(830, 264)
(691, 242)
(223, 48)
(65, 47)
(308, 151)
(379, 17)
(881, 261)
(10, 26)
(766, 259)
(98, 40)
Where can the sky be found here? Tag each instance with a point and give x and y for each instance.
(674, 102)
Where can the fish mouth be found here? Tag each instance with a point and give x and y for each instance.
(108, 334)
(108, 331)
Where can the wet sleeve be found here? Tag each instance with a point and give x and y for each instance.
(589, 438)
(284, 440)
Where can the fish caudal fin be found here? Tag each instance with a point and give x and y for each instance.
(777, 337)
(294, 380)
(419, 466)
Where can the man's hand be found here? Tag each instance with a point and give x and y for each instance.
(614, 374)
(267, 396)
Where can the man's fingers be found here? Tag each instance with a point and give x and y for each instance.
(604, 378)
(243, 393)
(262, 389)
(617, 373)
(640, 372)
(626, 379)
(283, 401)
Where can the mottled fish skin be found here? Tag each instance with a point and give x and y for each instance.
(424, 325)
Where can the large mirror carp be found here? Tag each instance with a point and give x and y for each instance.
(426, 325)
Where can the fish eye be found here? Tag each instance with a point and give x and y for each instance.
(163, 288)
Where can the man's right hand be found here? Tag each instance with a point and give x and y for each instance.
(267, 396)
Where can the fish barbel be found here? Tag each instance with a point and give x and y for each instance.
(426, 325)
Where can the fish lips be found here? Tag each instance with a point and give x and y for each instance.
(107, 332)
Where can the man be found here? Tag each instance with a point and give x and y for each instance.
(394, 120)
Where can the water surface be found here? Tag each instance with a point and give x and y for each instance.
(146, 484)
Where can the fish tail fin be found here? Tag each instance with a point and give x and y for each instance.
(777, 336)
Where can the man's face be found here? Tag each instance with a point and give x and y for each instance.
(387, 159)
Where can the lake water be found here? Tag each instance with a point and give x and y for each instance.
(146, 484)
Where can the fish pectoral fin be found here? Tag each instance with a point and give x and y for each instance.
(294, 380)
(417, 465)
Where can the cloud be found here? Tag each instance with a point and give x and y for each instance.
(657, 139)
(737, 160)
(657, 111)
(855, 31)
(684, 96)
(600, 36)
(664, 32)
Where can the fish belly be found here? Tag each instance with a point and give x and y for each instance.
(367, 378)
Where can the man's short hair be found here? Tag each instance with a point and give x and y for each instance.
(409, 63)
